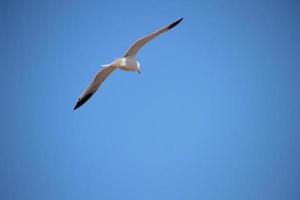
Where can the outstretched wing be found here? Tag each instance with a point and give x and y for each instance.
(132, 51)
(93, 87)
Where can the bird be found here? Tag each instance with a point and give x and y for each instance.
(127, 63)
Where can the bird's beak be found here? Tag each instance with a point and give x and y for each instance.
(139, 71)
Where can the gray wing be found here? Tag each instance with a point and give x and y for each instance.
(93, 87)
(132, 51)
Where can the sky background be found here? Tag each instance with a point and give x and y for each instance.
(215, 113)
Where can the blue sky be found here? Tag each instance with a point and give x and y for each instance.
(213, 115)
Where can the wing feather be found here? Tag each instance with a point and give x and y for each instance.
(94, 85)
(132, 51)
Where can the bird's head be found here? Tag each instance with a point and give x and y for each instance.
(138, 67)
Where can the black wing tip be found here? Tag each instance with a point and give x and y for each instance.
(76, 106)
(175, 23)
(80, 101)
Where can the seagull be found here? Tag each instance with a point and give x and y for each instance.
(127, 63)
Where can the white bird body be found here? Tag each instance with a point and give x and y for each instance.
(127, 63)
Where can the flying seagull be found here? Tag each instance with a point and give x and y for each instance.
(126, 63)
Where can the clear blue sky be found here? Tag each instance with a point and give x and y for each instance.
(215, 113)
